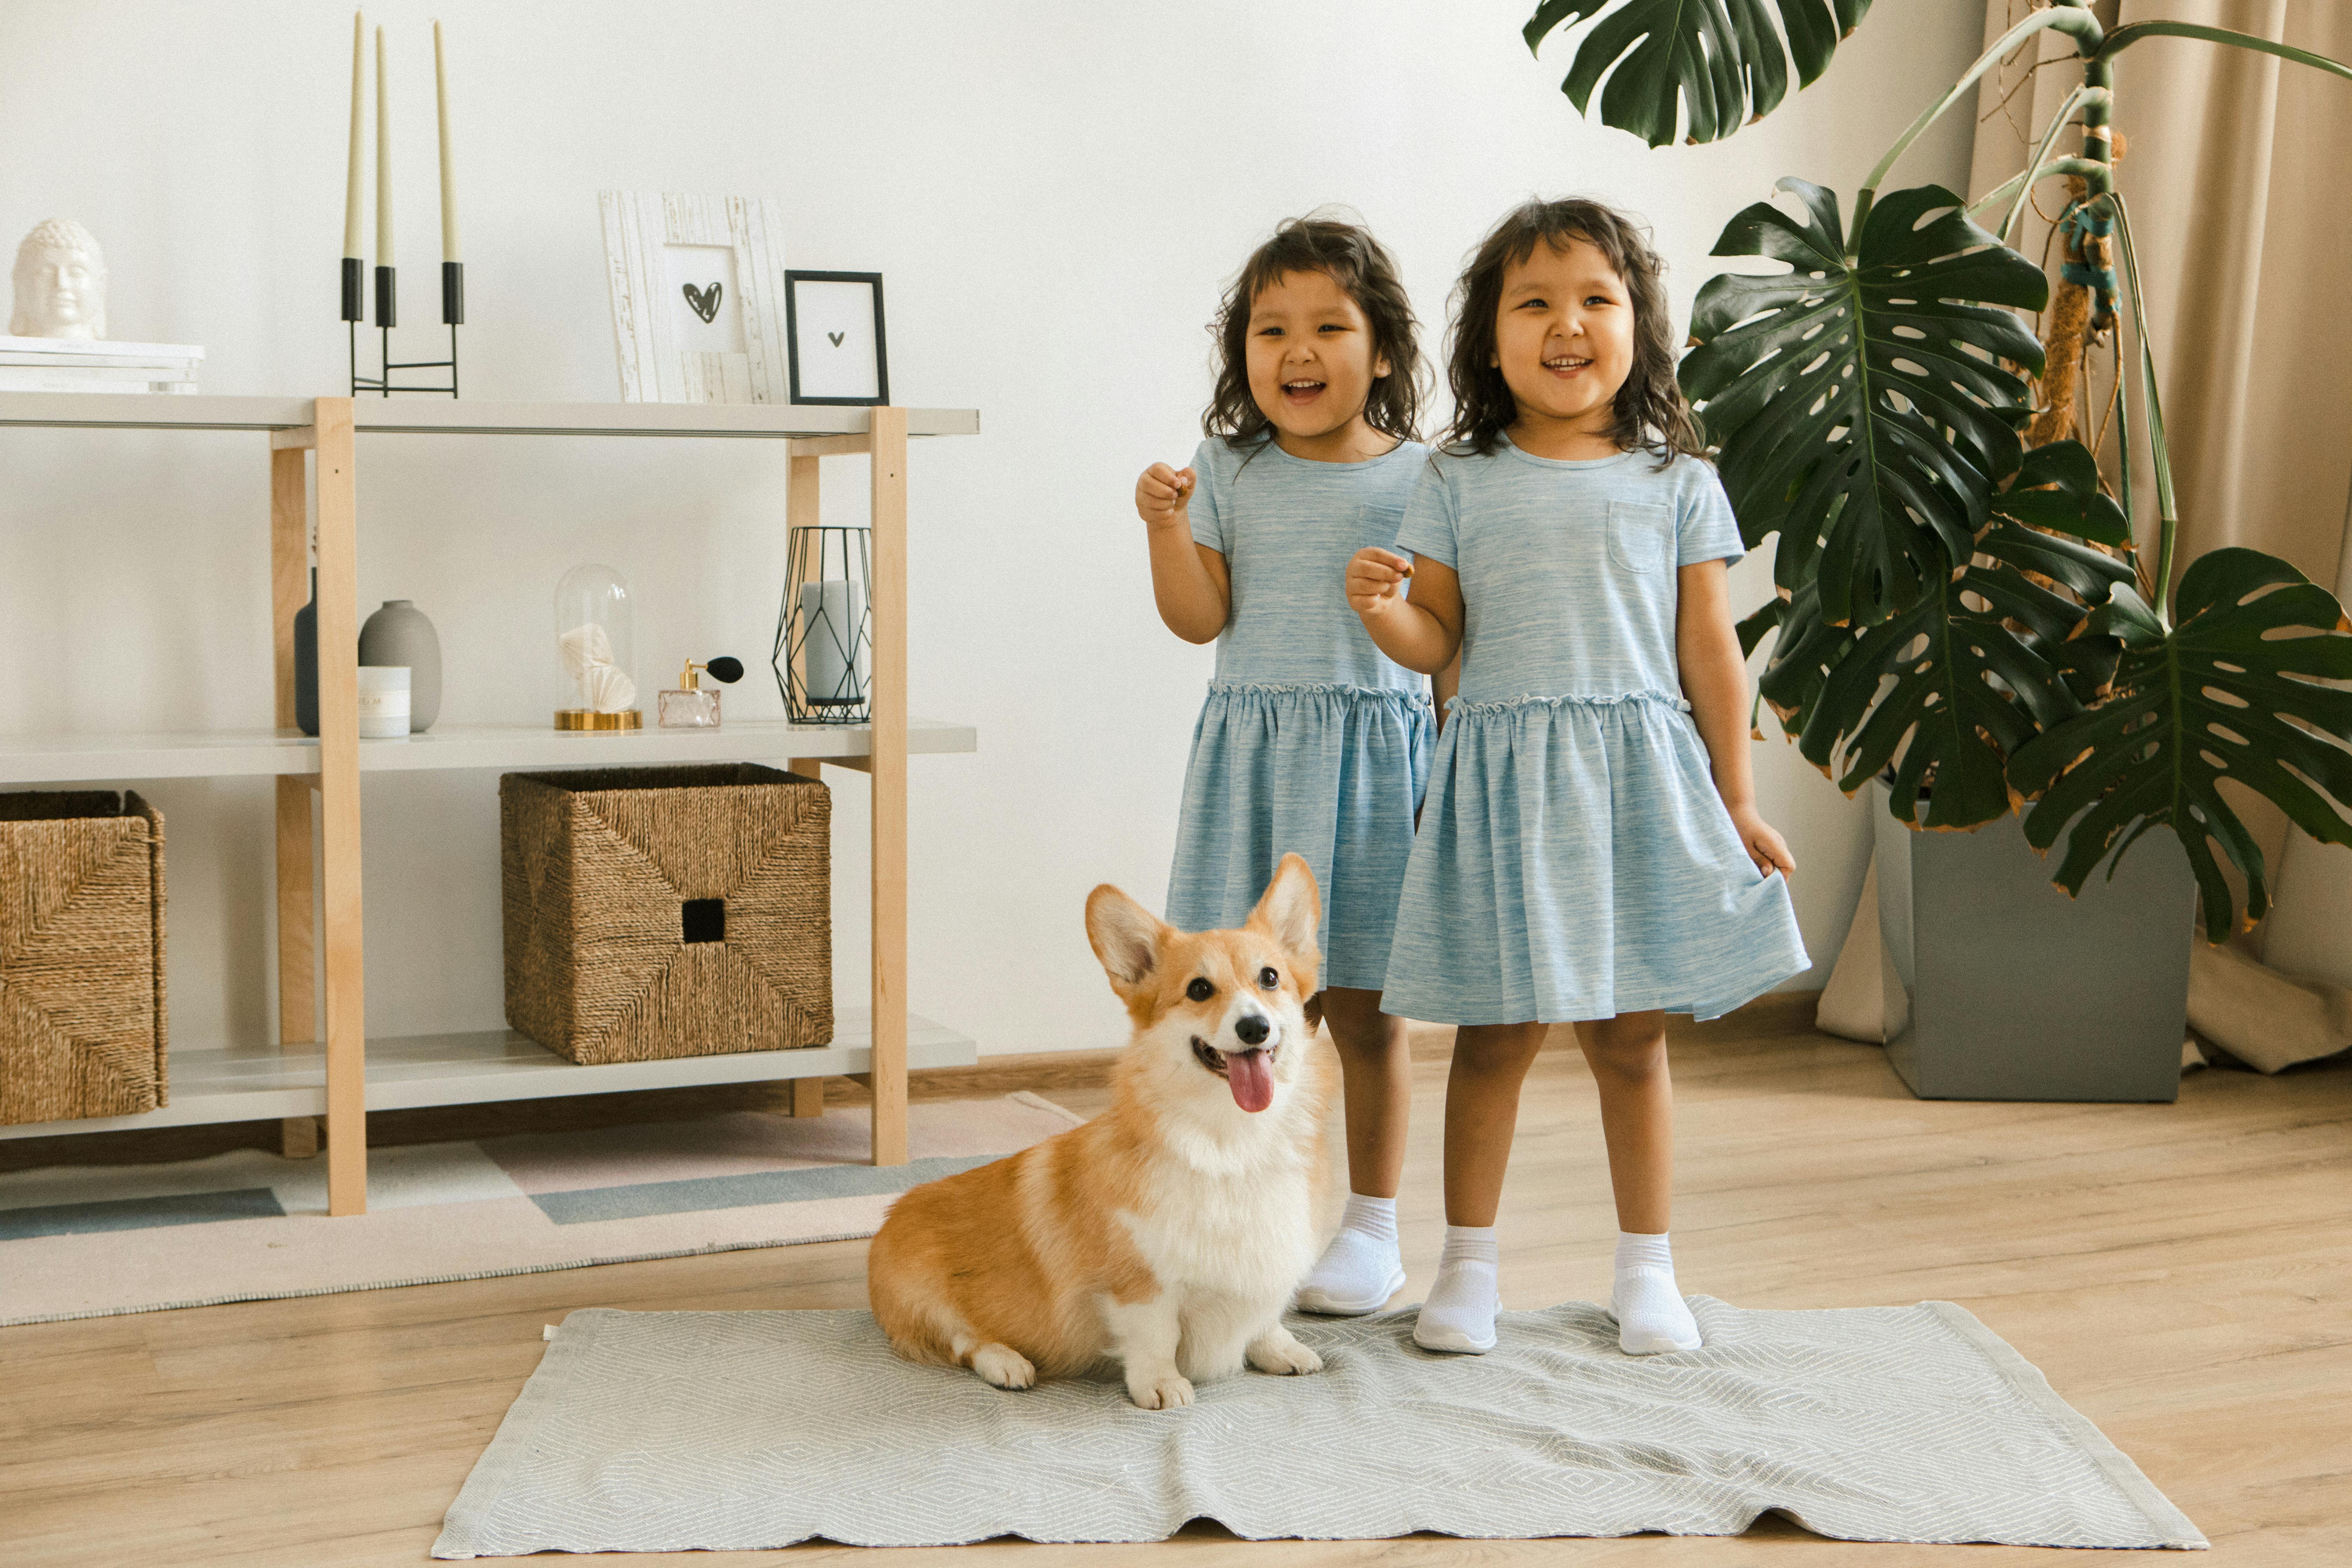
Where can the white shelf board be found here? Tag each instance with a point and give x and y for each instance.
(216, 754)
(459, 416)
(257, 1083)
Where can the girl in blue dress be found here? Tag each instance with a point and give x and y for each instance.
(1311, 740)
(1591, 850)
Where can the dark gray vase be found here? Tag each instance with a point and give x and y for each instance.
(399, 634)
(306, 661)
(2016, 992)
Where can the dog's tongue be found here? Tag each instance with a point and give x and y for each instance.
(1252, 1075)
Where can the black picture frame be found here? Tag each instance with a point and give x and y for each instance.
(793, 338)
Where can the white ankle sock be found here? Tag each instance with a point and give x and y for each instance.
(1650, 1313)
(1360, 1270)
(1459, 1315)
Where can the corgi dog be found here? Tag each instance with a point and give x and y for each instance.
(1168, 1234)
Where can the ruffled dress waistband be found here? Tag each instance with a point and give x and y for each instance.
(1387, 694)
(1508, 705)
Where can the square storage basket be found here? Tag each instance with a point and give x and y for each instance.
(82, 1022)
(659, 913)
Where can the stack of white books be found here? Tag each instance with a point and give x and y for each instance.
(85, 364)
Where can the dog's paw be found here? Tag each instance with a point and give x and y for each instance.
(1003, 1366)
(1163, 1391)
(1281, 1353)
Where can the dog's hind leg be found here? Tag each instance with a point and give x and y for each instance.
(997, 1363)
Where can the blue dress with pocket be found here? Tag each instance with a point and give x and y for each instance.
(1574, 860)
(1312, 740)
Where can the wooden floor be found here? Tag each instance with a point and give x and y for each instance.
(2180, 1272)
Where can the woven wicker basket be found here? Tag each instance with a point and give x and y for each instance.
(82, 1022)
(657, 912)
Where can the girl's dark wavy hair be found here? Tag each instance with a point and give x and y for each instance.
(1652, 414)
(1351, 257)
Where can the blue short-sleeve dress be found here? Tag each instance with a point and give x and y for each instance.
(1574, 860)
(1312, 740)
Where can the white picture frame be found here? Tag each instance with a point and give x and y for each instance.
(838, 351)
(698, 297)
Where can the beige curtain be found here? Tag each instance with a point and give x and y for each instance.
(2238, 170)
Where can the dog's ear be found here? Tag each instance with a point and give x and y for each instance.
(1292, 909)
(1127, 937)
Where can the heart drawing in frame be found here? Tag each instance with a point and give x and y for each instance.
(836, 337)
(703, 302)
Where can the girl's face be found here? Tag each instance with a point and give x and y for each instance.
(1312, 358)
(1564, 337)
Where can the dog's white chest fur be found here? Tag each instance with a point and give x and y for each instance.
(1233, 1220)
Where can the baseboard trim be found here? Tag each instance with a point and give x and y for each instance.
(1044, 1071)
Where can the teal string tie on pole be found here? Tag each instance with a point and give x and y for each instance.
(2090, 258)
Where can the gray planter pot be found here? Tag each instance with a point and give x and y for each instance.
(2016, 992)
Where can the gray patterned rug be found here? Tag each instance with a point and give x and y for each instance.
(668, 1431)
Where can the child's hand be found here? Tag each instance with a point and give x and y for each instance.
(1763, 842)
(1160, 494)
(1376, 579)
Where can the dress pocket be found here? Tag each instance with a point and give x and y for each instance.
(1639, 535)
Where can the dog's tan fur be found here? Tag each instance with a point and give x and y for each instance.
(1168, 1234)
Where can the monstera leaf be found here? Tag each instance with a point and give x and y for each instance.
(1965, 688)
(2231, 691)
(1857, 402)
(1938, 696)
(1720, 58)
(2057, 485)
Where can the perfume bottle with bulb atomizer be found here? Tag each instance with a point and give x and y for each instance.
(690, 707)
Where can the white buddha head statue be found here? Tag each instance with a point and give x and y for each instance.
(60, 283)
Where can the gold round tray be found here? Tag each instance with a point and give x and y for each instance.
(589, 718)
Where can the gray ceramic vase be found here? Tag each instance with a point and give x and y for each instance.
(399, 634)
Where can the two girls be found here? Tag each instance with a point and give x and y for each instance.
(1590, 851)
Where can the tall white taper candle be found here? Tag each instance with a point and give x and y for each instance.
(383, 160)
(351, 185)
(448, 184)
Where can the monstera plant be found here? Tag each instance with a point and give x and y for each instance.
(1960, 611)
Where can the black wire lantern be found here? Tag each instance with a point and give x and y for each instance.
(823, 656)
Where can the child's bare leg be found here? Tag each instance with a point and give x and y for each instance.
(1376, 1071)
(1360, 1270)
(1628, 1058)
(1482, 1111)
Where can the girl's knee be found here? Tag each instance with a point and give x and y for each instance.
(1634, 1046)
(1499, 1048)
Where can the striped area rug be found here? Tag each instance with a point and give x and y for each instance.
(81, 1241)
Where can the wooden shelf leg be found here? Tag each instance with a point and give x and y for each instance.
(290, 590)
(338, 808)
(808, 1097)
(801, 495)
(889, 773)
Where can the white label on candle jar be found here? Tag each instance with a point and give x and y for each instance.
(384, 701)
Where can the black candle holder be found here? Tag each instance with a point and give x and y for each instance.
(387, 316)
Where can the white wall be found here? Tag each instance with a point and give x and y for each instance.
(1055, 193)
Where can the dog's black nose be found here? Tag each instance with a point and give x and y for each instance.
(1251, 1029)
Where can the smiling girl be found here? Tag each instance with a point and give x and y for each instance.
(1590, 852)
(1311, 739)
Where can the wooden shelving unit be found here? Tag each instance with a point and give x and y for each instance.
(337, 1072)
